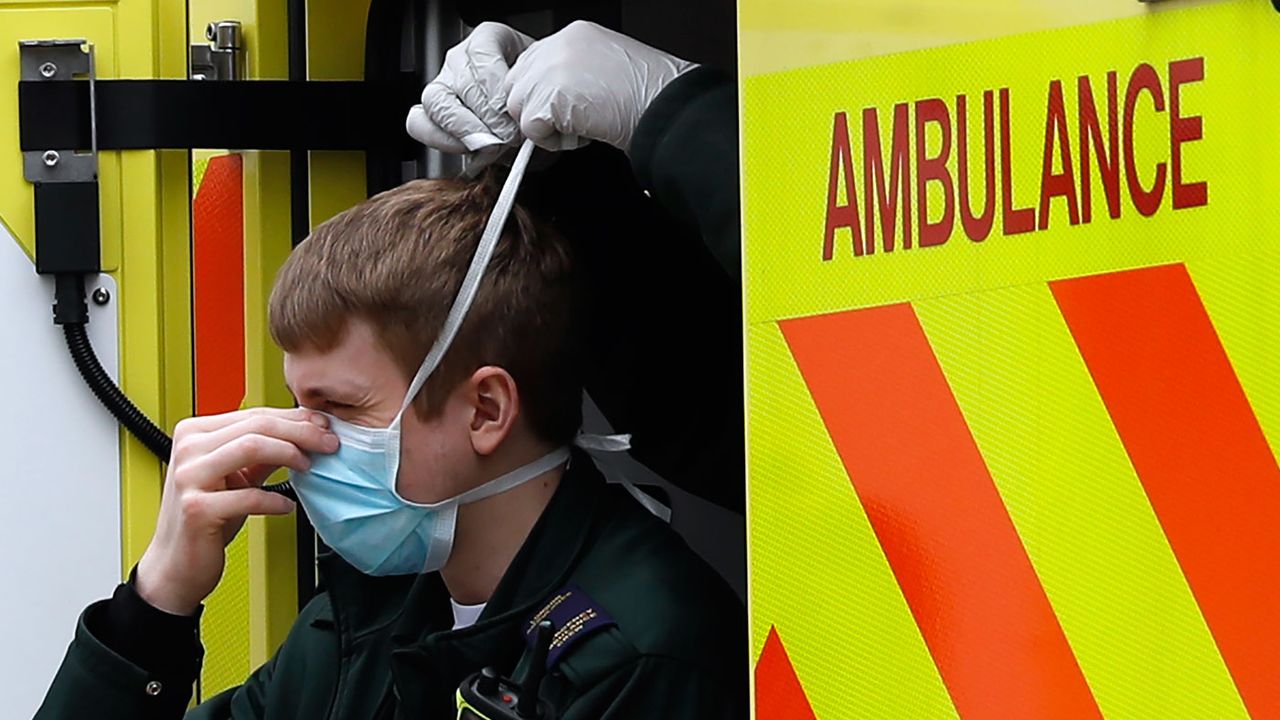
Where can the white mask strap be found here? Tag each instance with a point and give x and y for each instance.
(596, 445)
(519, 476)
(475, 273)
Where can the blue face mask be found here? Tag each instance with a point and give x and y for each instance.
(351, 496)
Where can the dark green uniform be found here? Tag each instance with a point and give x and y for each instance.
(383, 648)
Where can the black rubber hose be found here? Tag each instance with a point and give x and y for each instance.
(109, 394)
(71, 312)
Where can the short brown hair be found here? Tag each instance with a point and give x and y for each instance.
(397, 260)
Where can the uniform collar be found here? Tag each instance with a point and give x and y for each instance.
(431, 658)
(541, 565)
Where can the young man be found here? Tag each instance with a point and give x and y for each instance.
(457, 514)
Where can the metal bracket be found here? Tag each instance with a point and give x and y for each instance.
(224, 57)
(52, 60)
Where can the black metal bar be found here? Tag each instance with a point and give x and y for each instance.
(300, 227)
(242, 115)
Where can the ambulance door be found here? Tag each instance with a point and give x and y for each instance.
(1011, 338)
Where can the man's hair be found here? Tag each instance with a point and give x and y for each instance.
(397, 261)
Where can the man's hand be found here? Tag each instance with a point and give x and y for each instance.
(583, 83)
(213, 484)
(464, 109)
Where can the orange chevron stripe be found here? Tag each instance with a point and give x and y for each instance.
(218, 279)
(779, 694)
(1201, 456)
(945, 531)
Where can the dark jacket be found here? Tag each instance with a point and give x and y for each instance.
(382, 648)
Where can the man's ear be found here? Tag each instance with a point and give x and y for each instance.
(495, 405)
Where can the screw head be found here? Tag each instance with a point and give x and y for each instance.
(48, 69)
(51, 158)
(211, 31)
(101, 296)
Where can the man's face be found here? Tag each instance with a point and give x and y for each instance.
(358, 381)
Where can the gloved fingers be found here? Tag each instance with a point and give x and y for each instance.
(526, 93)
(542, 131)
(491, 44)
(421, 128)
(521, 80)
(587, 81)
(489, 108)
(480, 71)
(448, 112)
(473, 73)
(483, 158)
(547, 115)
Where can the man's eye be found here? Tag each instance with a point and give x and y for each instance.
(334, 404)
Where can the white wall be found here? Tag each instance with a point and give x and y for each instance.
(60, 484)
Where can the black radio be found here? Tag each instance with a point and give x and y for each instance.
(486, 695)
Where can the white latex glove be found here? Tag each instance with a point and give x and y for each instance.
(464, 109)
(586, 83)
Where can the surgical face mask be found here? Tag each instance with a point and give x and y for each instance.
(351, 495)
(351, 498)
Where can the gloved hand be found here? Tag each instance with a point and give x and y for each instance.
(583, 83)
(464, 109)
(587, 82)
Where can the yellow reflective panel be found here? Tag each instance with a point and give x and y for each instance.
(1180, 173)
(1080, 509)
(817, 571)
(1241, 306)
(780, 36)
(793, 122)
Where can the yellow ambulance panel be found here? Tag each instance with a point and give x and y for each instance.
(1013, 401)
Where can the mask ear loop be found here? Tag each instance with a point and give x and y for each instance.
(475, 274)
(462, 302)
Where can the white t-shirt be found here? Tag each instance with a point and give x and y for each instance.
(465, 615)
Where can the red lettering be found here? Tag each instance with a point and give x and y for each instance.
(1091, 139)
(977, 227)
(846, 215)
(878, 197)
(1061, 184)
(1146, 201)
(1016, 220)
(1185, 130)
(888, 182)
(934, 169)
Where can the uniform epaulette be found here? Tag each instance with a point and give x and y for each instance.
(575, 616)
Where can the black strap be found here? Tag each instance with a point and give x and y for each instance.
(240, 115)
